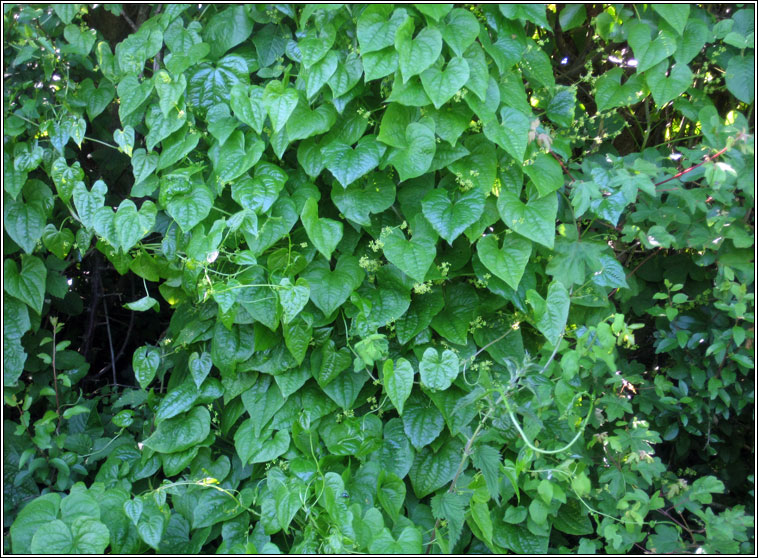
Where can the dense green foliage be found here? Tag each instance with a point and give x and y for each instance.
(327, 278)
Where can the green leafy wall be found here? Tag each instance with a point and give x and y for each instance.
(359, 278)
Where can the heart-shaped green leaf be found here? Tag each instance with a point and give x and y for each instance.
(145, 361)
(59, 242)
(650, 51)
(348, 164)
(132, 94)
(305, 122)
(220, 123)
(132, 225)
(550, 314)
(377, 26)
(330, 289)
(398, 382)
(511, 134)
(413, 257)
(459, 30)
(199, 366)
(292, 297)
(187, 203)
(258, 194)
(28, 285)
(507, 263)
(238, 154)
(125, 139)
(88, 202)
(169, 90)
(451, 219)
(143, 164)
(422, 421)
(247, 103)
(416, 54)
(438, 371)
(324, 233)
(359, 200)
(667, 84)
(535, 219)
(24, 223)
(279, 101)
(416, 157)
(442, 85)
(546, 174)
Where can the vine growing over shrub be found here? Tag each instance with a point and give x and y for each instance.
(371, 278)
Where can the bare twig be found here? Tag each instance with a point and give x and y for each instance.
(110, 340)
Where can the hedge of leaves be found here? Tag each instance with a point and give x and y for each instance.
(373, 278)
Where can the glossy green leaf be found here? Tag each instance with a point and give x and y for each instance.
(324, 233)
(176, 401)
(507, 262)
(434, 469)
(437, 370)
(740, 75)
(180, 432)
(24, 223)
(416, 54)
(84, 536)
(546, 174)
(145, 363)
(348, 164)
(535, 219)
(361, 199)
(441, 85)
(398, 382)
(27, 284)
(422, 422)
(377, 26)
(649, 51)
(459, 30)
(448, 218)
(551, 313)
(416, 157)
